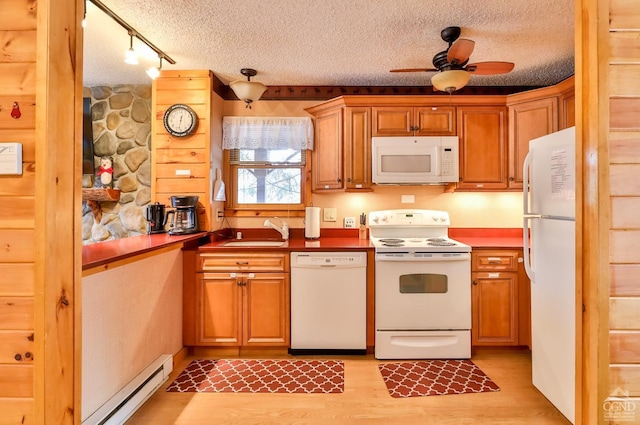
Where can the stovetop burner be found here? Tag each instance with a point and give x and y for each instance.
(439, 242)
(391, 241)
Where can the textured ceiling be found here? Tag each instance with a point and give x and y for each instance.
(331, 42)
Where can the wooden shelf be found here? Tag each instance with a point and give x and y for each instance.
(95, 196)
(101, 195)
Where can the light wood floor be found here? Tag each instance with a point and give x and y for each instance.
(365, 400)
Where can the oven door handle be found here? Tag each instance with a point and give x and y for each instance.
(432, 258)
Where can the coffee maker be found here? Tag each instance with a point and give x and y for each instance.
(184, 215)
(156, 218)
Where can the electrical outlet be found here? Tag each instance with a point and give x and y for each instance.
(219, 214)
(330, 214)
(349, 222)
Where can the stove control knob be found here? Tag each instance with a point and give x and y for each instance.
(442, 219)
(384, 217)
(374, 218)
(435, 218)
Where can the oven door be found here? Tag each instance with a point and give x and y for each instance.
(423, 291)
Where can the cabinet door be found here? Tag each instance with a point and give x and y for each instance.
(567, 110)
(266, 309)
(219, 314)
(435, 121)
(392, 121)
(494, 298)
(327, 167)
(528, 120)
(357, 148)
(483, 149)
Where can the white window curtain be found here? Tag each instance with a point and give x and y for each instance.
(267, 133)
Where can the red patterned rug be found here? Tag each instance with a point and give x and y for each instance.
(261, 376)
(434, 377)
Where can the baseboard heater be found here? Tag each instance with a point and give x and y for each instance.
(125, 402)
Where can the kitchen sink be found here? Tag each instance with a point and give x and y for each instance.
(254, 243)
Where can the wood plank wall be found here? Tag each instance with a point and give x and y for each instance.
(193, 152)
(18, 25)
(624, 159)
(41, 71)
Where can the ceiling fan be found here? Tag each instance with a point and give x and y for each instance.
(452, 64)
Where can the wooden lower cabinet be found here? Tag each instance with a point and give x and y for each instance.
(243, 309)
(237, 300)
(500, 299)
(495, 313)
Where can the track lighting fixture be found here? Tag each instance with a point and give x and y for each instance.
(131, 57)
(153, 72)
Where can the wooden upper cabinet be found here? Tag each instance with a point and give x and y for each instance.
(483, 147)
(435, 121)
(326, 165)
(567, 106)
(357, 147)
(528, 120)
(341, 158)
(414, 121)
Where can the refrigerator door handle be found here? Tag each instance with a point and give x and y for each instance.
(526, 166)
(526, 251)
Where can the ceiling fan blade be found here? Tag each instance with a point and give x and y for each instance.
(414, 70)
(489, 68)
(460, 51)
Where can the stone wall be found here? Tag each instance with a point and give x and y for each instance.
(121, 118)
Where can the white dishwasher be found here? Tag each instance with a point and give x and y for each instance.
(328, 302)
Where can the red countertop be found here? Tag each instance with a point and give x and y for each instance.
(340, 239)
(100, 253)
(331, 240)
(488, 238)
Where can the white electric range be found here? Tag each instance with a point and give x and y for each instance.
(423, 286)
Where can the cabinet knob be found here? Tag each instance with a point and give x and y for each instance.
(348, 179)
(338, 179)
(511, 179)
(475, 282)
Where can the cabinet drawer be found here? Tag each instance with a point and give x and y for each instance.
(494, 260)
(243, 261)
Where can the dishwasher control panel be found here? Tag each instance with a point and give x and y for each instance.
(337, 259)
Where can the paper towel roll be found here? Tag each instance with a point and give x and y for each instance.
(312, 222)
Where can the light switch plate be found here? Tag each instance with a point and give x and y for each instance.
(408, 199)
(349, 222)
(10, 158)
(330, 214)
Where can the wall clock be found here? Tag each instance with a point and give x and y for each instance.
(180, 120)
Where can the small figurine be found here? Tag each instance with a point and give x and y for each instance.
(104, 173)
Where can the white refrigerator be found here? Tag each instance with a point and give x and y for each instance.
(549, 246)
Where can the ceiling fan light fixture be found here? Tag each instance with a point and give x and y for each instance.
(450, 81)
(248, 91)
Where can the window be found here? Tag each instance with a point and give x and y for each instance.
(265, 159)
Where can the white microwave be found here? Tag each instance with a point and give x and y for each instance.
(414, 160)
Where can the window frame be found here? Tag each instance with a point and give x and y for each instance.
(233, 209)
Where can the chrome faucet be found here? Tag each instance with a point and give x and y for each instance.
(284, 230)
